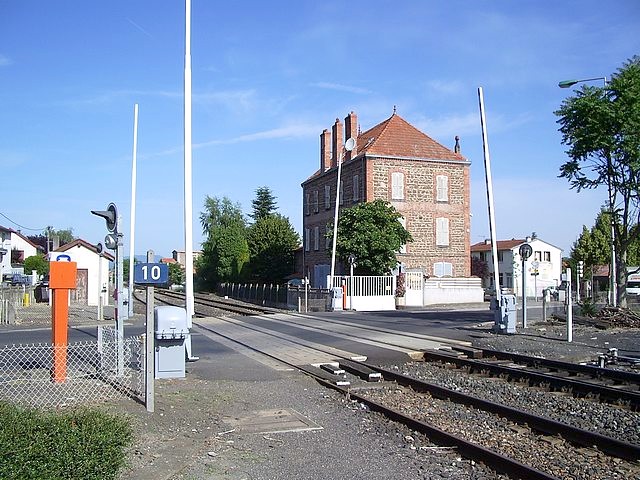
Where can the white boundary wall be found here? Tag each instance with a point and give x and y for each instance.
(453, 290)
(375, 293)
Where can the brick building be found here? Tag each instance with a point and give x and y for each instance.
(394, 161)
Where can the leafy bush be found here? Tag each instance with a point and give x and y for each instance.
(588, 308)
(79, 444)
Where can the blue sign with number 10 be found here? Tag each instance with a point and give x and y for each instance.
(150, 274)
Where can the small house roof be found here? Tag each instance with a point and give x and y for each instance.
(78, 242)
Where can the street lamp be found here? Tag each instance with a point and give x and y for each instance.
(612, 269)
(348, 146)
(571, 83)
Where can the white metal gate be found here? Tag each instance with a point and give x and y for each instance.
(414, 283)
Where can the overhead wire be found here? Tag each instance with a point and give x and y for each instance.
(22, 226)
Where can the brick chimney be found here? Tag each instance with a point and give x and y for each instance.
(325, 150)
(351, 131)
(337, 142)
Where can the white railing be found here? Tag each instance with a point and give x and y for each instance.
(367, 293)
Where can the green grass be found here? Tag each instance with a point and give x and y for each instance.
(79, 444)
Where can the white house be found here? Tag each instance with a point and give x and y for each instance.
(543, 267)
(93, 271)
(14, 246)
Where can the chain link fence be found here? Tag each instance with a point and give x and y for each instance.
(92, 375)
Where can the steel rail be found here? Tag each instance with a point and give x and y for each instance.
(576, 385)
(220, 304)
(546, 425)
(493, 460)
(591, 370)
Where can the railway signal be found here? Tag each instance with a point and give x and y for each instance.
(113, 241)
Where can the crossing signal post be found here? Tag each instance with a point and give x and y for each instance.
(579, 275)
(113, 241)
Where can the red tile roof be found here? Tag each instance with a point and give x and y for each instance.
(395, 137)
(502, 245)
(398, 138)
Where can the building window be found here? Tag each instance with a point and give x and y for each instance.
(306, 204)
(483, 256)
(341, 192)
(500, 255)
(537, 256)
(327, 238)
(403, 222)
(442, 188)
(356, 188)
(316, 239)
(547, 256)
(315, 201)
(397, 186)
(442, 269)
(327, 197)
(442, 232)
(307, 240)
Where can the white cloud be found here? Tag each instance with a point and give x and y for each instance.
(466, 124)
(138, 27)
(341, 88)
(448, 87)
(5, 61)
(288, 131)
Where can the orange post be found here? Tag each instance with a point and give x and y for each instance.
(62, 278)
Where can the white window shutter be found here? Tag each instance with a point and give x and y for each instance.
(397, 186)
(442, 232)
(307, 240)
(316, 239)
(442, 188)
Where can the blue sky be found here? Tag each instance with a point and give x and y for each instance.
(268, 76)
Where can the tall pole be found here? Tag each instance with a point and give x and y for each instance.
(612, 269)
(149, 345)
(492, 220)
(524, 293)
(132, 226)
(120, 313)
(349, 145)
(335, 223)
(188, 195)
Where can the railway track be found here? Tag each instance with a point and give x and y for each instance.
(508, 439)
(207, 304)
(607, 385)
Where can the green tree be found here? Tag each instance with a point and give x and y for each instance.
(64, 236)
(225, 250)
(37, 263)
(264, 204)
(593, 246)
(600, 126)
(272, 242)
(373, 233)
(176, 274)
